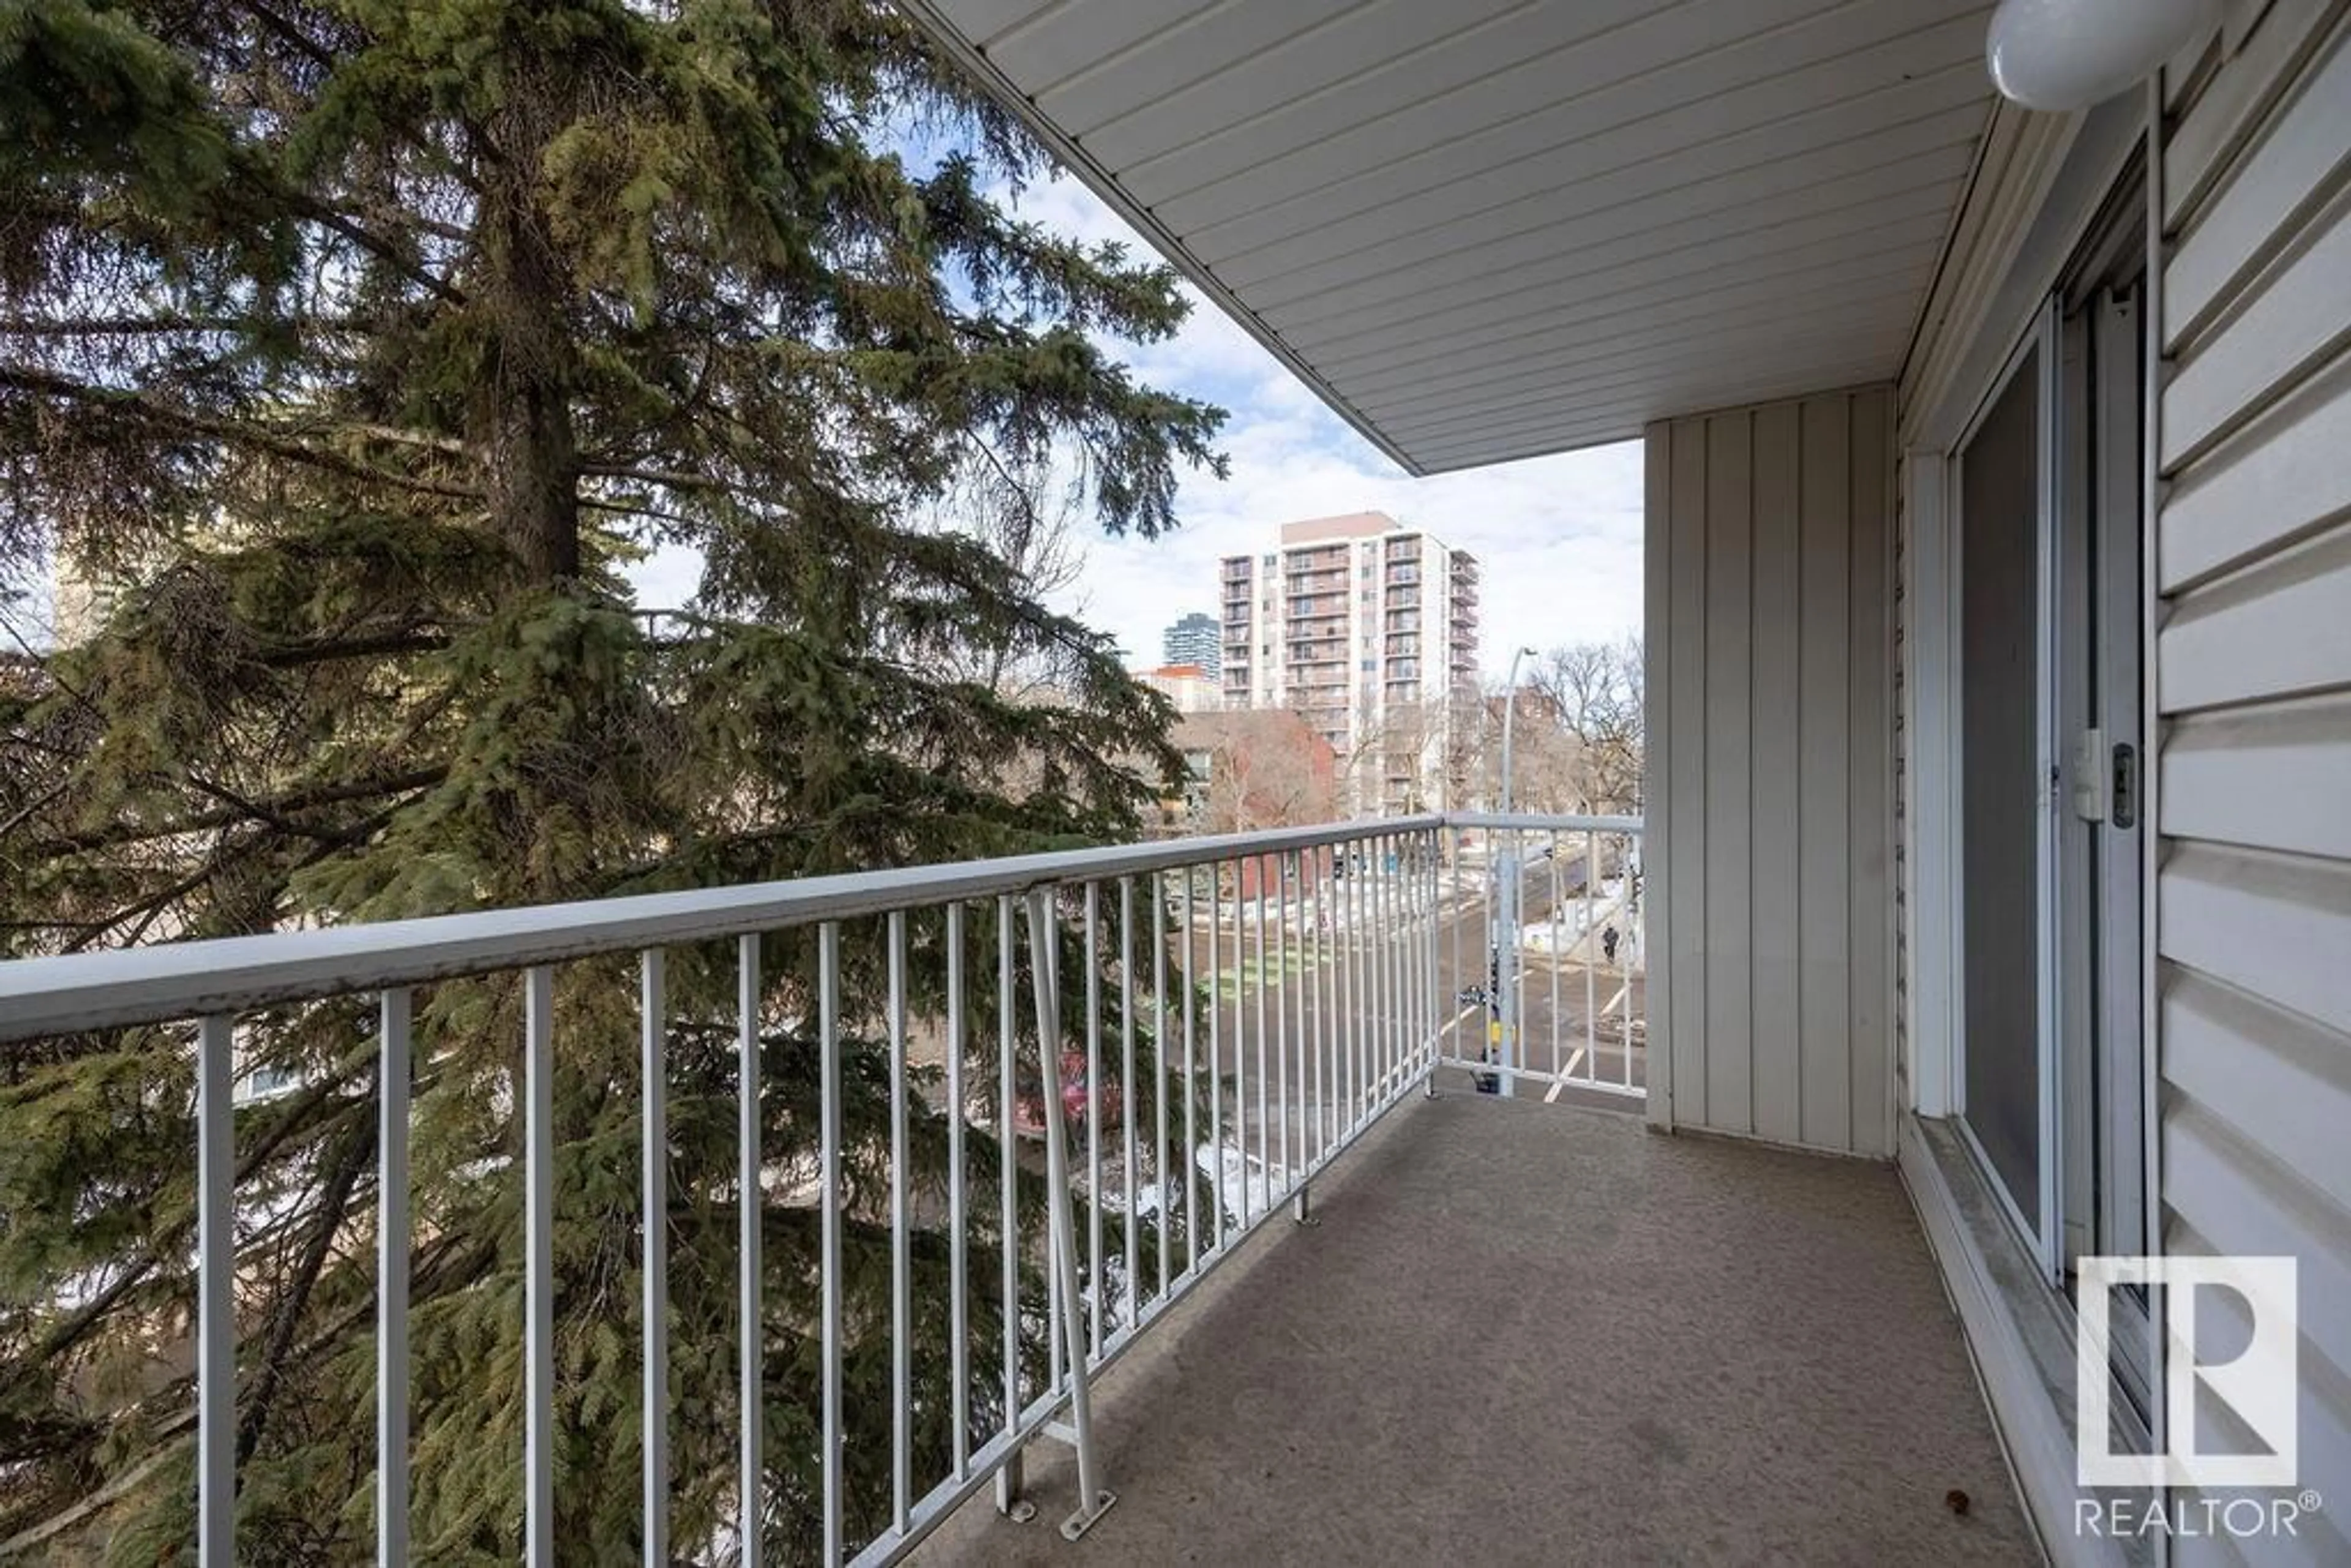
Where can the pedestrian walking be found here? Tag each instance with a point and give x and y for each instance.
(1608, 943)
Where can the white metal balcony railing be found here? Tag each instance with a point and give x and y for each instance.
(1275, 995)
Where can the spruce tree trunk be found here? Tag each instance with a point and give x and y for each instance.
(533, 459)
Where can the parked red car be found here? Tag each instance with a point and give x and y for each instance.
(1028, 1099)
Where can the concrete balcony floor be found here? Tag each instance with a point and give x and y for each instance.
(1529, 1334)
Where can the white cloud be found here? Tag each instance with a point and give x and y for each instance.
(1559, 538)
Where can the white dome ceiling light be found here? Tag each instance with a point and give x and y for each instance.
(2071, 54)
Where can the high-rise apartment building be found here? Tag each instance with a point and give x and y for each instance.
(1369, 629)
(1195, 638)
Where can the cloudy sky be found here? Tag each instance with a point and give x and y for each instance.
(1560, 537)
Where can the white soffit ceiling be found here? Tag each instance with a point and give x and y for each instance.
(1486, 230)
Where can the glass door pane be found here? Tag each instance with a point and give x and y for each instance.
(2000, 785)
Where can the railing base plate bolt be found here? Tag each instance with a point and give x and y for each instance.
(1077, 1524)
(1021, 1512)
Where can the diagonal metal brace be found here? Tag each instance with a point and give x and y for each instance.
(1045, 959)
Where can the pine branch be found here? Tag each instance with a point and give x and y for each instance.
(295, 656)
(382, 249)
(117, 834)
(139, 405)
(332, 1205)
(119, 326)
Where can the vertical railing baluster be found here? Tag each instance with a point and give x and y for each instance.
(1008, 1192)
(1094, 1277)
(1522, 992)
(1249, 1187)
(215, 1294)
(902, 1257)
(829, 1171)
(751, 1464)
(393, 1069)
(1384, 965)
(1216, 1038)
(1399, 956)
(538, 1267)
(1423, 972)
(1359, 997)
(652, 1146)
(1454, 1006)
(1393, 857)
(1132, 1266)
(1493, 1028)
(1407, 977)
(1424, 950)
(1415, 988)
(1627, 857)
(1342, 1012)
(1061, 1227)
(959, 1204)
(1311, 1110)
(1159, 1065)
(1367, 992)
(1440, 1003)
(1590, 943)
(1284, 1000)
(1328, 918)
(1559, 953)
(1191, 1166)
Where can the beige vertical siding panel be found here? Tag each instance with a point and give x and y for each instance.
(2254, 666)
(1730, 823)
(1826, 897)
(1872, 774)
(1658, 913)
(1771, 657)
(1774, 668)
(1686, 878)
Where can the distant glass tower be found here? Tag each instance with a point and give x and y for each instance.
(1197, 639)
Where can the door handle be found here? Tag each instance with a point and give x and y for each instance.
(2125, 786)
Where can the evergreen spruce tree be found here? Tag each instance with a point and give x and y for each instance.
(356, 349)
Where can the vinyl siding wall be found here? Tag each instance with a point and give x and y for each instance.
(1771, 775)
(2253, 665)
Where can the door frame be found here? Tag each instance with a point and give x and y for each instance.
(2041, 341)
(2070, 974)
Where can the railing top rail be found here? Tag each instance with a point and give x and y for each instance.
(178, 981)
(1540, 821)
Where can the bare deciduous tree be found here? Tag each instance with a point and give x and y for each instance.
(1266, 770)
(1598, 697)
(1034, 518)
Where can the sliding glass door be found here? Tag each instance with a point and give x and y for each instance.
(2001, 482)
(2051, 584)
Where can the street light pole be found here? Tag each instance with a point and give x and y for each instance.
(1506, 903)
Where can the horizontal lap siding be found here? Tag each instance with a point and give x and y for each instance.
(1772, 651)
(2253, 670)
